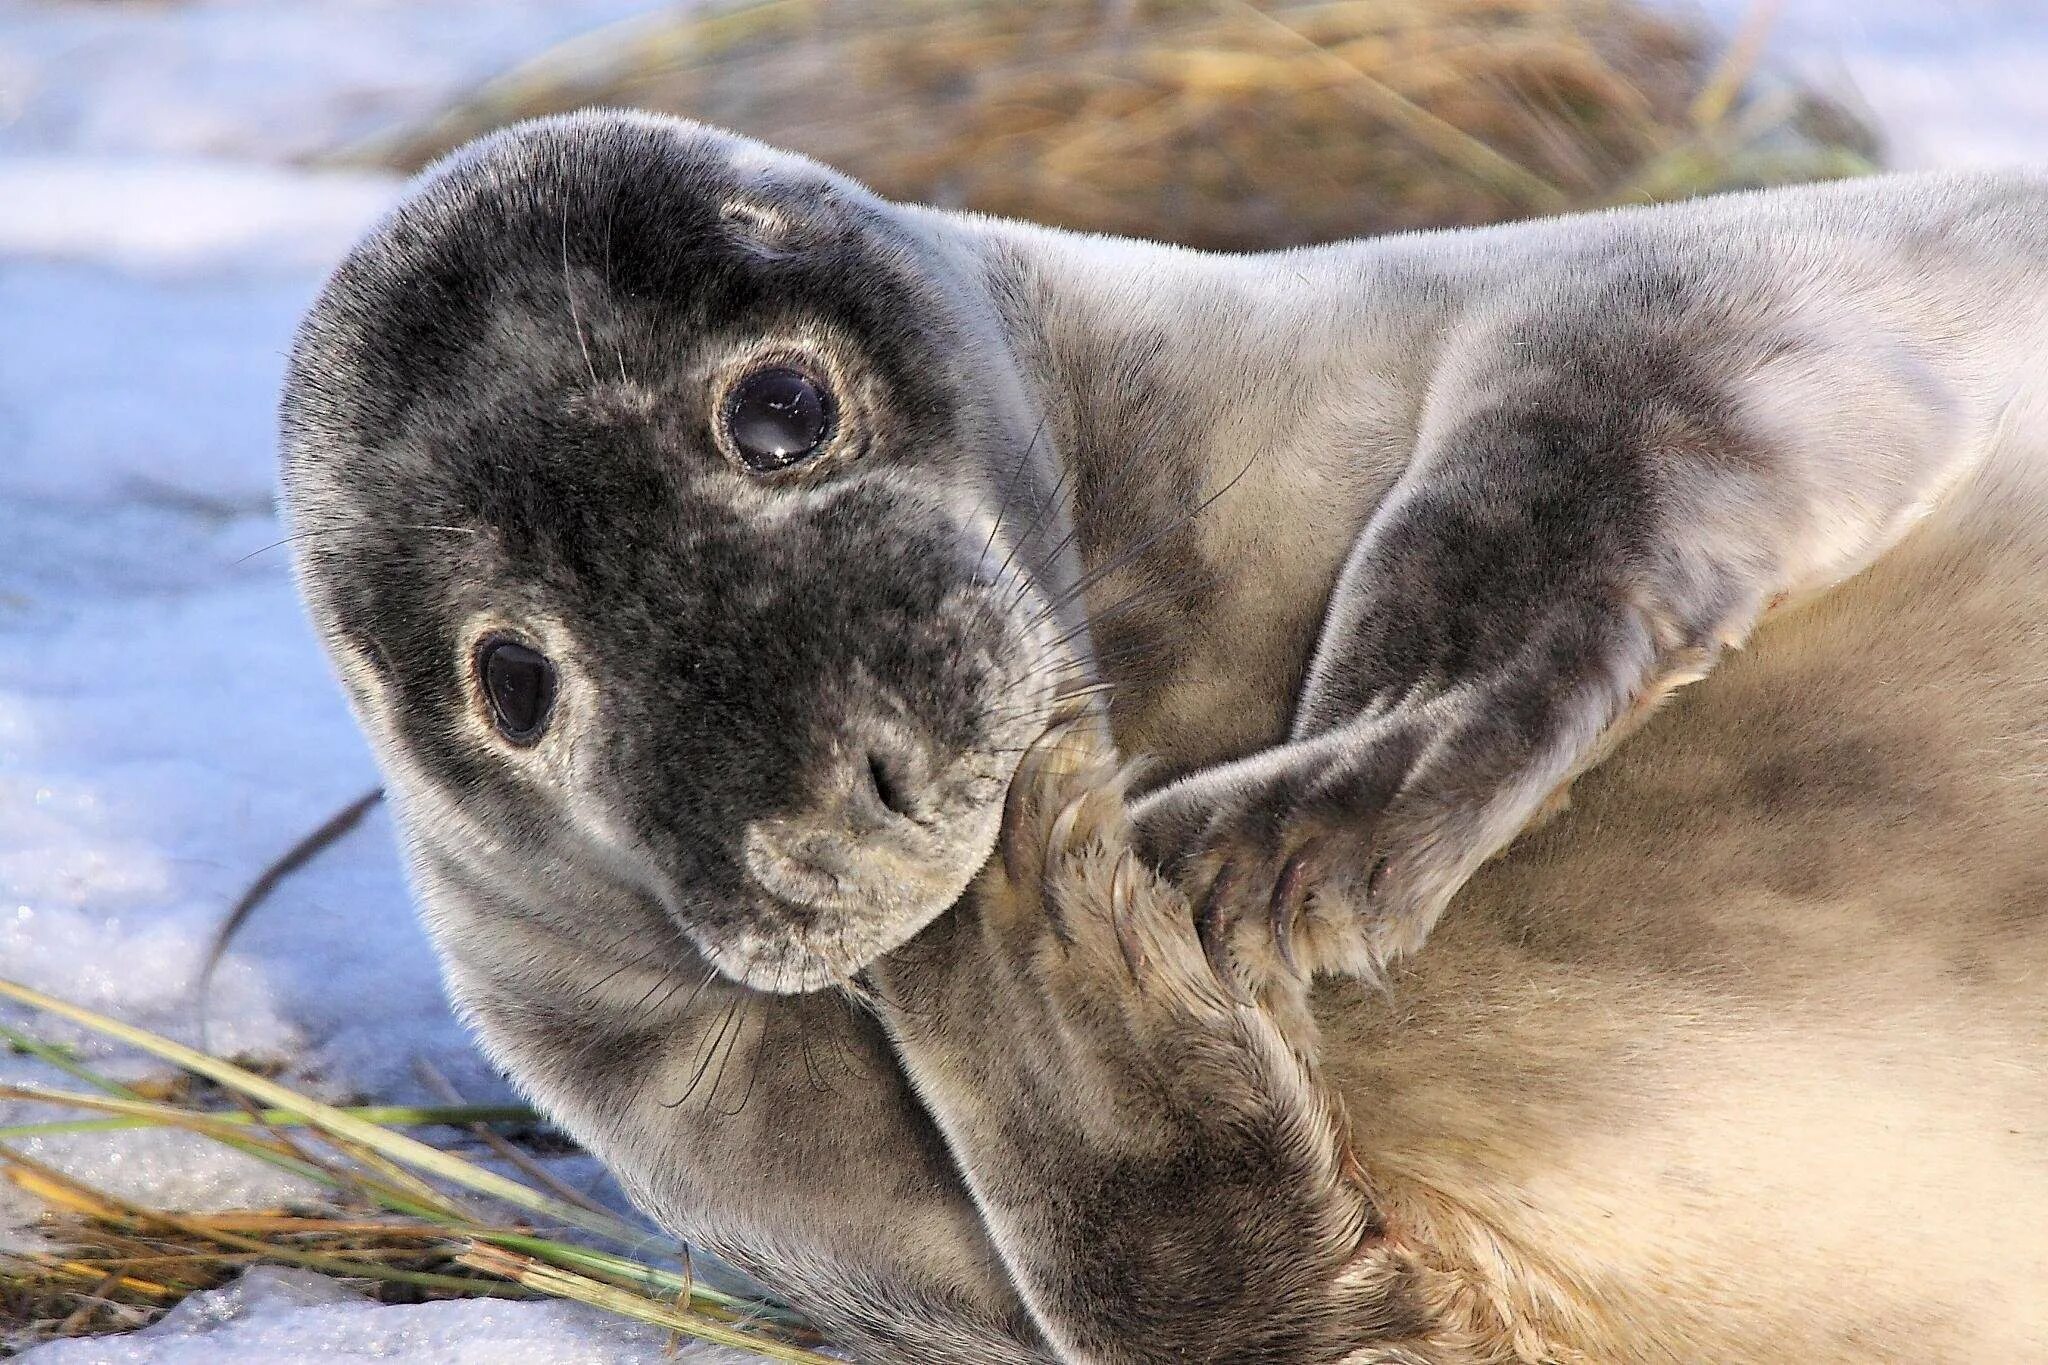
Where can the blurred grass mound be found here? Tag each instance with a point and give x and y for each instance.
(1227, 124)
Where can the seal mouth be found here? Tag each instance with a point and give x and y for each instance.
(828, 901)
(888, 828)
(795, 963)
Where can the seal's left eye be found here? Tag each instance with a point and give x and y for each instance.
(519, 684)
(776, 418)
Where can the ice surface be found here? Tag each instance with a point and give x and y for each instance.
(167, 725)
(260, 79)
(167, 722)
(271, 1316)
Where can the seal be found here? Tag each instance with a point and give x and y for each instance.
(702, 541)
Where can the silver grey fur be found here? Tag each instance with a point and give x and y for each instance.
(1379, 545)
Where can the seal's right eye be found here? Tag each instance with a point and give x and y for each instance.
(519, 686)
(777, 417)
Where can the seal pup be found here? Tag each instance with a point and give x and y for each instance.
(700, 539)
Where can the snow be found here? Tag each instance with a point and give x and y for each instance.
(170, 216)
(278, 1315)
(167, 724)
(258, 79)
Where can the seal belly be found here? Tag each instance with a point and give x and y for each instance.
(1744, 1056)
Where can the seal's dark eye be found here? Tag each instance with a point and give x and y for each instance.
(776, 418)
(519, 684)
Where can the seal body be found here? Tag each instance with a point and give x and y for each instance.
(701, 708)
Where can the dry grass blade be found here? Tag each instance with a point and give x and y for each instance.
(1718, 95)
(393, 1146)
(511, 1155)
(383, 1115)
(63, 1061)
(1458, 147)
(124, 1263)
(566, 1284)
(55, 1187)
(388, 1187)
(646, 1279)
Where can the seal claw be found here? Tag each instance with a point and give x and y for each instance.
(1213, 923)
(1375, 880)
(1285, 906)
(1028, 789)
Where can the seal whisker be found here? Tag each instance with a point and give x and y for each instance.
(711, 974)
(611, 292)
(1056, 705)
(1140, 597)
(849, 1059)
(813, 1077)
(1089, 669)
(1045, 707)
(767, 1016)
(641, 1007)
(569, 292)
(1045, 505)
(742, 1016)
(1128, 476)
(1009, 488)
(707, 1050)
(1131, 552)
(588, 995)
(364, 528)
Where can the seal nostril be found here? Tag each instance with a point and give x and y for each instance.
(889, 787)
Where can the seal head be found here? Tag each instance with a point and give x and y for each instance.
(662, 500)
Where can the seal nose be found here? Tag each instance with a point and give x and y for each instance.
(885, 788)
(888, 785)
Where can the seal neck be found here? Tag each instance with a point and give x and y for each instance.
(1224, 424)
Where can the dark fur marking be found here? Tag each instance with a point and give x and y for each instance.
(607, 501)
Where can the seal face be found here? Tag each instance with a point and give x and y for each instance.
(644, 481)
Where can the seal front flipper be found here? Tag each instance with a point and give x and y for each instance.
(1342, 846)
(1153, 1154)
(1609, 487)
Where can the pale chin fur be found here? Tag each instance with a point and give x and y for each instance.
(897, 894)
(781, 965)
